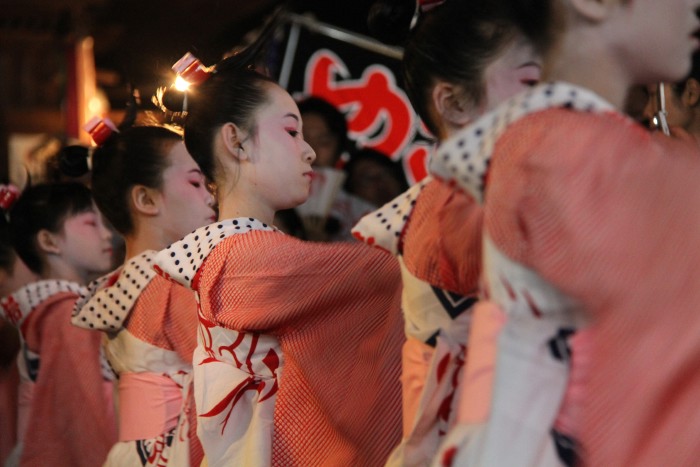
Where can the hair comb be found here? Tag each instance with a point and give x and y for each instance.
(100, 129)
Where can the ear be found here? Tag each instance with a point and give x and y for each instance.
(450, 104)
(48, 242)
(691, 93)
(594, 10)
(232, 137)
(145, 200)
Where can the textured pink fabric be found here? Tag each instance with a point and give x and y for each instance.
(335, 309)
(165, 315)
(477, 383)
(70, 422)
(609, 215)
(415, 363)
(442, 242)
(149, 405)
(9, 380)
(568, 421)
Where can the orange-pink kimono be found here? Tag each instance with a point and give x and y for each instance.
(66, 414)
(299, 347)
(590, 222)
(150, 332)
(440, 278)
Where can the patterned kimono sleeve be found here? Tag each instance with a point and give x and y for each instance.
(180, 327)
(71, 421)
(270, 282)
(442, 242)
(609, 215)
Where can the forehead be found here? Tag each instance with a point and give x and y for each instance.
(279, 105)
(179, 157)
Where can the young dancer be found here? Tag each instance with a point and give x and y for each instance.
(65, 410)
(13, 275)
(460, 60)
(588, 219)
(153, 193)
(298, 356)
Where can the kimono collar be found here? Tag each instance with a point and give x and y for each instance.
(110, 298)
(464, 158)
(18, 305)
(181, 260)
(383, 227)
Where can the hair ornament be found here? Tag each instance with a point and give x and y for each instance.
(8, 195)
(426, 5)
(100, 129)
(191, 69)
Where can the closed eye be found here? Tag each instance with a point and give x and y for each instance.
(294, 133)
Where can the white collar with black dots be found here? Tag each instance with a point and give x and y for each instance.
(181, 260)
(18, 305)
(464, 158)
(110, 298)
(382, 228)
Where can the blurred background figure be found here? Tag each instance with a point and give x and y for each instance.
(682, 105)
(13, 275)
(326, 130)
(331, 211)
(374, 177)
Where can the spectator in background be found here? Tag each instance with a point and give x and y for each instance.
(682, 102)
(326, 130)
(329, 214)
(374, 177)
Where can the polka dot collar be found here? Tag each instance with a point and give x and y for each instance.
(383, 227)
(464, 158)
(17, 306)
(109, 299)
(181, 260)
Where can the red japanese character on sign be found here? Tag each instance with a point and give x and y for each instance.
(379, 114)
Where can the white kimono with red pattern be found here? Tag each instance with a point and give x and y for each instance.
(589, 221)
(299, 349)
(149, 327)
(440, 275)
(65, 414)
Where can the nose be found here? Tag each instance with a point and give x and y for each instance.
(210, 200)
(309, 153)
(105, 232)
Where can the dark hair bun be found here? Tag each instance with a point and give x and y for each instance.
(73, 161)
(173, 100)
(390, 20)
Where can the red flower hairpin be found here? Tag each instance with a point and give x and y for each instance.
(191, 69)
(8, 196)
(100, 129)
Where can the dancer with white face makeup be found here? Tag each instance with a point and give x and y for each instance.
(298, 356)
(153, 193)
(460, 60)
(65, 412)
(589, 222)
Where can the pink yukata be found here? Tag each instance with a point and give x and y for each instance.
(590, 222)
(440, 278)
(65, 414)
(299, 351)
(149, 327)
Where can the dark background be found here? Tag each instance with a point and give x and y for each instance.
(135, 41)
